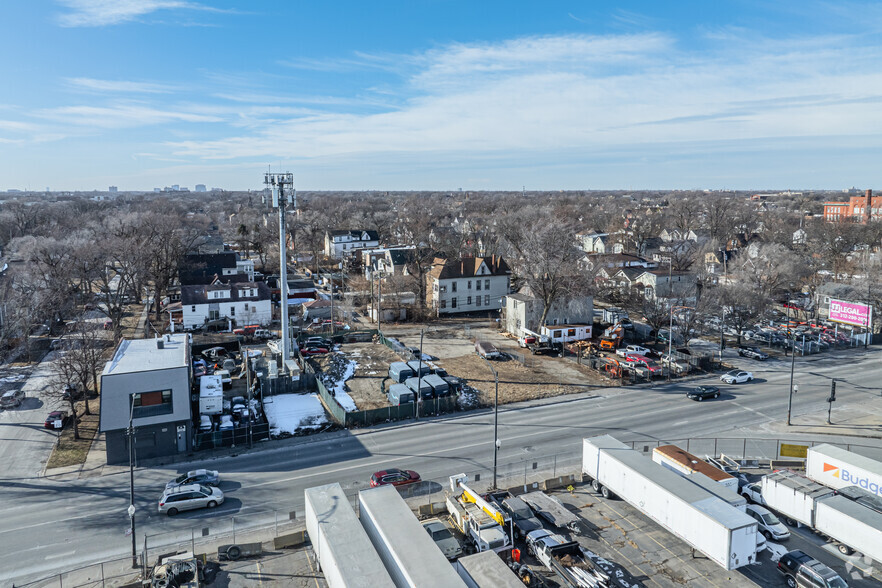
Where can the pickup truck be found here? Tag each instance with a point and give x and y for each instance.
(633, 350)
(752, 353)
(522, 518)
(566, 560)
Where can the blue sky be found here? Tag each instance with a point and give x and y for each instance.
(440, 94)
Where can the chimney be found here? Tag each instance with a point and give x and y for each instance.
(869, 213)
(159, 344)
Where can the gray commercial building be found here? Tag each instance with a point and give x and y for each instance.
(148, 380)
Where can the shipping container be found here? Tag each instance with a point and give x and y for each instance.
(486, 570)
(419, 386)
(685, 463)
(400, 394)
(408, 552)
(439, 386)
(400, 371)
(211, 395)
(726, 535)
(837, 468)
(342, 547)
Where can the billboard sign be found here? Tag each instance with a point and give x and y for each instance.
(850, 313)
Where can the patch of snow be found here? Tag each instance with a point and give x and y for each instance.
(13, 378)
(337, 371)
(372, 373)
(288, 413)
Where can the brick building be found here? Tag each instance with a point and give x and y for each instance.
(858, 209)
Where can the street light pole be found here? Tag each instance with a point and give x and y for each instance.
(131, 509)
(792, 364)
(495, 419)
(419, 400)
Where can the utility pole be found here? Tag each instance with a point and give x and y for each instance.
(830, 400)
(419, 400)
(131, 509)
(496, 443)
(792, 385)
(282, 188)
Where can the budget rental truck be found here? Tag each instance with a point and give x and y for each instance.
(837, 468)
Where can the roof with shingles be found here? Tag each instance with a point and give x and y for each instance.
(444, 269)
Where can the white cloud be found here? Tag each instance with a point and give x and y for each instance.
(581, 92)
(121, 86)
(96, 13)
(122, 116)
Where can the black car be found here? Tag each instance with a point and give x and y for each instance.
(752, 352)
(803, 571)
(702, 392)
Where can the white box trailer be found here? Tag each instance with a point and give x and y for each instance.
(852, 524)
(793, 496)
(486, 570)
(409, 554)
(720, 531)
(211, 395)
(683, 462)
(837, 468)
(342, 547)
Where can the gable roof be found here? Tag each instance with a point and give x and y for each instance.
(199, 294)
(443, 269)
(357, 235)
(201, 268)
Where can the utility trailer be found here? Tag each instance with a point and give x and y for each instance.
(487, 570)
(726, 535)
(566, 560)
(551, 510)
(684, 463)
(408, 552)
(850, 524)
(342, 547)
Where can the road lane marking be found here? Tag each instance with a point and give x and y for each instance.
(57, 555)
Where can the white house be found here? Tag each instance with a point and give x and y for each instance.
(338, 244)
(242, 303)
(468, 285)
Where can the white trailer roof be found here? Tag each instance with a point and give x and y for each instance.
(419, 559)
(487, 570)
(855, 459)
(354, 557)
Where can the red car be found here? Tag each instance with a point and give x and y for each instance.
(56, 419)
(395, 477)
(313, 351)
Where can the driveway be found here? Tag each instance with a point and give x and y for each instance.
(24, 444)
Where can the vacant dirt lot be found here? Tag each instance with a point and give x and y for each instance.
(365, 386)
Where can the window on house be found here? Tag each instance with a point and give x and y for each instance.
(477, 301)
(147, 404)
(486, 284)
(443, 304)
(453, 286)
(470, 285)
(469, 301)
(443, 289)
(193, 308)
(453, 302)
(571, 332)
(486, 300)
(246, 306)
(232, 311)
(477, 284)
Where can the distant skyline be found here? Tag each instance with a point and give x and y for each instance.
(441, 95)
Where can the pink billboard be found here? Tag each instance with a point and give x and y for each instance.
(850, 313)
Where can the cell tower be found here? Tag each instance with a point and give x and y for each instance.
(282, 189)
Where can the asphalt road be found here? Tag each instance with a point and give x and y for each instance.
(60, 523)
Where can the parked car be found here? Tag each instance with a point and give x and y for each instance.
(72, 392)
(522, 517)
(317, 342)
(214, 354)
(702, 392)
(443, 538)
(226, 423)
(752, 353)
(736, 377)
(768, 523)
(12, 399)
(56, 419)
(203, 476)
(754, 493)
(313, 350)
(801, 570)
(395, 477)
(189, 497)
(206, 425)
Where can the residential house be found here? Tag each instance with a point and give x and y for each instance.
(594, 242)
(669, 235)
(662, 283)
(717, 262)
(800, 237)
(204, 268)
(339, 244)
(523, 311)
(208, 244)
(594, 262)
(240, 303)
(468, 285)
(317, 309)
(392, 261)
(147, 381)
